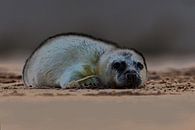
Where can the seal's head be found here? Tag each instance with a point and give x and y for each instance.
(123, 68)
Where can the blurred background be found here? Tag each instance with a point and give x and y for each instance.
(155, 27)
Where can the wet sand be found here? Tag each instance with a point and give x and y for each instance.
(167, 101)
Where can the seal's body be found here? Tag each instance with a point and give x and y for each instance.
(73, 60)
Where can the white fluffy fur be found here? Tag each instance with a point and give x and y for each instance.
(54, 62)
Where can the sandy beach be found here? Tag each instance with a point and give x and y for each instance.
(167, 101)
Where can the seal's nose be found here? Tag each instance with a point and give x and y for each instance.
(133, 78)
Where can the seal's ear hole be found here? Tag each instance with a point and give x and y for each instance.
(140, 65)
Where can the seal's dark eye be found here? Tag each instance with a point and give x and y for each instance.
(119, 66)
(116, 65)
(140, 65)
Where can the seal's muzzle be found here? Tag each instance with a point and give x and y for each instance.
(133, 79)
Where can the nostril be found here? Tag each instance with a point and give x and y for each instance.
(131, 76)
(128, 75)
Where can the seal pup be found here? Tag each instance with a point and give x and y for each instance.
(81, 61)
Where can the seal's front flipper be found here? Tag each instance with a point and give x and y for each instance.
(92, 81)
(89, 82)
